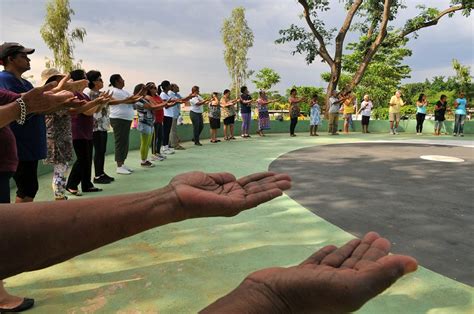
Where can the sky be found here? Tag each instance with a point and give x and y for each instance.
(180, 40)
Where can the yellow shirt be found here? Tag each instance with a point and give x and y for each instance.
(398, 103)
(348, 106)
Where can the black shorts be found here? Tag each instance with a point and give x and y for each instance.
(214, 123)
(26, 178)
(365, 120)
(229, 120)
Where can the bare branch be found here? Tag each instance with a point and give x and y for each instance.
(322, 46)
(433, 21)
(344, 28)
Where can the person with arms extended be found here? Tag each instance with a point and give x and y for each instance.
(460, 114)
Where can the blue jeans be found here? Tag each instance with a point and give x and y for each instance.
(459, 123)
(246, 118)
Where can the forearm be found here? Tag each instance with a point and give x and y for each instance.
(52, 232)
(9, 113)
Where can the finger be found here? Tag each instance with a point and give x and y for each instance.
(359, 252)
(256, 199)
(256, 187)
(255, 177)
(64, 80)
(387, 270)
(378, 249)
(318, 256)
(337, 258)
(47, 87)
(222, 177)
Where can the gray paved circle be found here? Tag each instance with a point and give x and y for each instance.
(424, 207)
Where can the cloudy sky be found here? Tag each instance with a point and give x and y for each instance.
(179, 40)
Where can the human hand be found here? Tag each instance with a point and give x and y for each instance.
(43, 100)
(220, 194)
(332, 280)
(73, 86)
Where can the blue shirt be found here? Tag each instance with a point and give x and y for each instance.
(176, 109)
(461, 109)
(31, 136)
(421, 109)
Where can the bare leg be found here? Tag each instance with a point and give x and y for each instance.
(8, 301)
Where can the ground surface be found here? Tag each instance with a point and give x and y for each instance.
(179, 268)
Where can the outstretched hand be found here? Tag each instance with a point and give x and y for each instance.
(43, 100)
(334, 280)
(220, 194)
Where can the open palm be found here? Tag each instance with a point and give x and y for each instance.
(221, 194)
(335, 280)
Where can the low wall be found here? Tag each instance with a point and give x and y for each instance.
(376, 126)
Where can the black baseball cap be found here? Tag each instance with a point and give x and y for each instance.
(7, 49)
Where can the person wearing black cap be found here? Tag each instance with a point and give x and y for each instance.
(30, 133)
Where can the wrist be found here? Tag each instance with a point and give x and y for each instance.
(249, 297)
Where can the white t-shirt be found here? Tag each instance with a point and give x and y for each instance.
(193, 101)
(368, 108)
(121, 111)
(167, 111)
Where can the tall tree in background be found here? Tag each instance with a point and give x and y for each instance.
(266, 78)
(55, 33)
(375, 16)
(462, 78)
(238, 38)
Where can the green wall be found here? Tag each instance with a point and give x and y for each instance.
(376, 126)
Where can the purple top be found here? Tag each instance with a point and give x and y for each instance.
(82, 125)
(8, 152)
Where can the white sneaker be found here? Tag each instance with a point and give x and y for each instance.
(122, 170)
(128, 168)
(158, 157)
(168, 151)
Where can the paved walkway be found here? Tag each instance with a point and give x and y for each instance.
(180, 268)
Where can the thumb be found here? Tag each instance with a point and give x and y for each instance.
(388, 270)
(47, 87)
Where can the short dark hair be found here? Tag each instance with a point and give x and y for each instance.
(420, 98)
(77, 75)
(243, 88)
(165, 84)
(114, 78)
(443, 96)
(5, 59)
(93, 76)
(292, 90)
(226, 91)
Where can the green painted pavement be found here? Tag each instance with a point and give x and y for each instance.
(182, 267)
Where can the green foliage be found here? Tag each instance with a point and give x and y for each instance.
(463, 76)
(57, 37)
(237, 38)
(266, 78)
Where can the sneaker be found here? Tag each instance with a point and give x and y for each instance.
(158, 157)
(122, 170)
(101, 180)
(147, 164)
(198, 144)
(454, 134)
(461, 135)
(168, 151)
(127, 167)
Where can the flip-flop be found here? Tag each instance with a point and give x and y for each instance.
(74, 192)
(93, 189)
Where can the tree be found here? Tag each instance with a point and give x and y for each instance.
(382, 77)
(238, 38)
(463, 77)
(375, 15)
(266, 78)
(55, 33)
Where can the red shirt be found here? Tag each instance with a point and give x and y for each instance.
(8, 152)
(159, 113)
